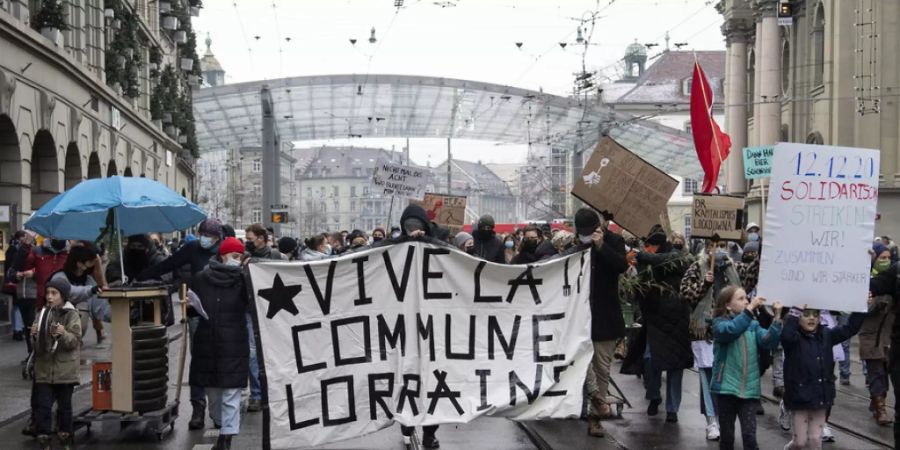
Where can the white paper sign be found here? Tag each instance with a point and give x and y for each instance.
(418, 334)
(399, 180)
(819, 226)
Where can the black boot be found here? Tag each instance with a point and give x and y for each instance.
(428, 438)
(196, 422)
(223, 442)
(30, 429)
(44, 442)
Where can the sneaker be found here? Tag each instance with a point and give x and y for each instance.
(672, 417)
(784, 417)
(653, 408)
(827, 434)
(254, 405)
(845, 381)
(712, 432)
(595, 428)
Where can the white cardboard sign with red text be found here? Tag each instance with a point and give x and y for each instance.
(820, 224)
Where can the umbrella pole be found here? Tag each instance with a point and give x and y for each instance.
(119, 237)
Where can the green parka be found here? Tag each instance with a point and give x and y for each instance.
(61, 366)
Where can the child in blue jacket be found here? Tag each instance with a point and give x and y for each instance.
(808, 367)
(735, 384)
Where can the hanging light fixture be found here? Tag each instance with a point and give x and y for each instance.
(372, 39)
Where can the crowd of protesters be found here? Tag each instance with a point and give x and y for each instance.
(694, 306)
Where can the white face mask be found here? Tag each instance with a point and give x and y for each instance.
(231, 262)
(586, 239)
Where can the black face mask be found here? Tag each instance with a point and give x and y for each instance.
(58, 245)
(529, 245)
(748, 257)
(678, 246)
(249, 246)
(486, 235)
(376, 238)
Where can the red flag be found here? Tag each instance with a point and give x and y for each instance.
(711, 143)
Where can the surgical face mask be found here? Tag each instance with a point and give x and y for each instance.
(721, 254)
(231, 262)
(328, 249)
(395, 235)
(585, 239)
(206, 242)
(754, 237)
(509, 244)
(882, 264)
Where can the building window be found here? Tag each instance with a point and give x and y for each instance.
(818, 44)
(352, 191)
(357, 172)
(257, 188)
(687, 226)
(352, 205)
(686, 86)
(256, 216)
(336, 191)
(687, 126)
(257, 166)
(689, 186)
(337, 206)
(365, 191)
(308, 192)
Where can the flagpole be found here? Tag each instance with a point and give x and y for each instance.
(709, 113)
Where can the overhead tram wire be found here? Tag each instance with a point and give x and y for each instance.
(244, 34)
(371, 57)
(278, 39)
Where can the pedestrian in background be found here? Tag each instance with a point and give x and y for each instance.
(737, 338)
(874, 341)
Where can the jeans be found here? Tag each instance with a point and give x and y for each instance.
(807, 429)
(653, 383)
(744, 409)
(597, 379)
(197, 392)
(428, 430)
(707, 399)
(225, 409)
(47, 394)
(26, 309)
(778, 367)
(17, 323)
(255, 388)
(844, 369)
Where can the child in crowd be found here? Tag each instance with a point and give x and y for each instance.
(737, 338)
(808, 371)
(56, 365)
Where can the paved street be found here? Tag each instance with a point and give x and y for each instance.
(853, 426)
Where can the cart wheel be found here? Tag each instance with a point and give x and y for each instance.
(619, 408)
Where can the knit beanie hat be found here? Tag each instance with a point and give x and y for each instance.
(486, 220)
(231, 245)
(461, 239)
(62, 285)
(751, 247)
(657, 235)
(211, 227)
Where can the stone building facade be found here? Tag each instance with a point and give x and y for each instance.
(827, 76)
(61, 122)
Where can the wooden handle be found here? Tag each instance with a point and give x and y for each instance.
(712, 256)
(184, 301)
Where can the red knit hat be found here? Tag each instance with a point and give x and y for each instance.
(230, 245)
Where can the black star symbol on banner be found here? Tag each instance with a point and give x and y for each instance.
(280, 297)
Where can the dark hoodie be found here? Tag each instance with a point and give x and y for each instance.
(411, 211)
(489, 247)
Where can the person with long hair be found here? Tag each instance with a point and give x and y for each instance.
(737, 339)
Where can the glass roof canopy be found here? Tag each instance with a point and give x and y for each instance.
(378, 106)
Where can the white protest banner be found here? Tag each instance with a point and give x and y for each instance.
(399, 180)
(419, 334)
(819, 226)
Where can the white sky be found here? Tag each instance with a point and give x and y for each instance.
(474, 40)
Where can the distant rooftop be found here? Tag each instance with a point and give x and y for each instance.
(663, 82)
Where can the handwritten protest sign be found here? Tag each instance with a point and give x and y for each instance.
(758, 162)
(418, 334)
(621, 183)
(717, 216)
(399, 180)
(444, 210)
(819, 226)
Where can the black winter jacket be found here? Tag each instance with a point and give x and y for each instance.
(808, 360)
(190, 254)
(666, 316)
(888, 283)
(607, 264)
(220, 351)
(488, 248)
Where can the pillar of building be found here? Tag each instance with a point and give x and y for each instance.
(271, 161)
(768, 72)
(736, 33)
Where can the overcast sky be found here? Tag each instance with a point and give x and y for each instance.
(474, 40)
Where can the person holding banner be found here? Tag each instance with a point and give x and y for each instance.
(701, 291)
(664, 342)
(607, 323)
(737, 338)
(220, 351)
(487, 246)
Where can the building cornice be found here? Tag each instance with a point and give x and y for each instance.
(737, 30)
(765, 8)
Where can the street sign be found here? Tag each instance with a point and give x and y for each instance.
(279, 216)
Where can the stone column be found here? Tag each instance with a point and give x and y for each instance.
(768, 71)
(736, 35)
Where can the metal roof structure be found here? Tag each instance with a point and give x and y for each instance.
(398, 106)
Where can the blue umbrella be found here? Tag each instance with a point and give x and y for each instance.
(137, 205)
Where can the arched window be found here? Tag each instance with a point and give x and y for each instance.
(818, 45)
(785, 69)
(751, 83)
(815, 138)
(686, 85)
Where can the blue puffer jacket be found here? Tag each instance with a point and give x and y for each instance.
(736, 362)
(808, 360)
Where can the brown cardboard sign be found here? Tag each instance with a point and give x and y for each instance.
(619, 182)
(445, 210)
(719, 216)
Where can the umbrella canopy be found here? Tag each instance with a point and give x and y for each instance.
(140, 205)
